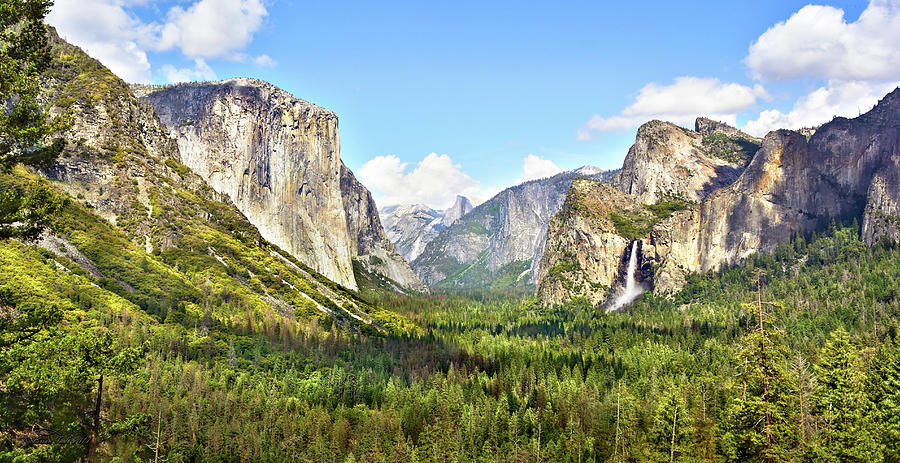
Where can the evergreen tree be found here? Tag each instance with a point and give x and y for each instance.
(670, 435)
(884, 390)
(25, 126)
(762, 421)
(848, 430)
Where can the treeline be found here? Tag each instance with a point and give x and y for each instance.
(490, 378)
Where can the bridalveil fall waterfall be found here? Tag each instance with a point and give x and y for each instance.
(632, 289)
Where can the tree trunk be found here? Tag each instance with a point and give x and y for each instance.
(672, 448)
(95, 429)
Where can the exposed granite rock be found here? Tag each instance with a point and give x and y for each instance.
(410, 227)
(277, 157)
(669, 161)
(498, 243)
(461, 207)
(121, 164)
(882, 214)
(794, 184)
(369, 244)
(585, 253)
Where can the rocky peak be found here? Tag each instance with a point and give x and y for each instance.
(795, 183)
(461, 207)
(410, 227)
(668, 161)
(501, 240)
(705, 126)
(369, 244)
(588, 241)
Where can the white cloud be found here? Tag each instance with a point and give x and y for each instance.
(106, 31)
(200, 72)
(857, 62)
(264, 61)
(535, 167)
(212, 28)
(847, 99)
(817, 42)
(680, 102)
(110, 32)
(435, 181)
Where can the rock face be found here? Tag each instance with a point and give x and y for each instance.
(847, 168)
(166, 232)
(411, 226)
(498, 243)
(461, 207)
(669, 161)
(585, 254)
(275, 156)
(369, 244)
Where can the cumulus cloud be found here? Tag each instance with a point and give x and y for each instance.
(680, 102)
(200, 72)
(109, 31)
(857, 61)
(434, 181)
(818, 42)
(847, 99)
(212, 28)
(106, 31)
(535, 167)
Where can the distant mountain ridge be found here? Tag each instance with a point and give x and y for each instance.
(412, 226)
(499, 243)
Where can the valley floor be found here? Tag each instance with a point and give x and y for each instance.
(494, 377)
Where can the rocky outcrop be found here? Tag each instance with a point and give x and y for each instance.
(169, 243)
(794, 184)
(585, 253)
(461, 207)
(369, 244)
(497, 243)
(667, 161)
(275, 156)
(412, 226)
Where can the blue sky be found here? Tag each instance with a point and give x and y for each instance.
(505, 91)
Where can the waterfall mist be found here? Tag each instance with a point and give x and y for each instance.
(632, 288)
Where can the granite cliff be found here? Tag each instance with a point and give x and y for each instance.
(411, 226)
(278, 159)
(372, 250)
(669, 161)
(794, 184)
(275, 156)
(585, 250)
(143, 226)
(499, 243)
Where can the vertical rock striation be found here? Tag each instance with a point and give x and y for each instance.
(369, 244)
(277, 157)
(410, 227)
(586, 252)
(498, 243)
(669, 161)
(461, 207)
(795, 183)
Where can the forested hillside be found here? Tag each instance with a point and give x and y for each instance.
(497, 378)
(143, 318)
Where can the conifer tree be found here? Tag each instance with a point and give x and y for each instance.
(762, 421)
(848, 430)
(25, 125)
